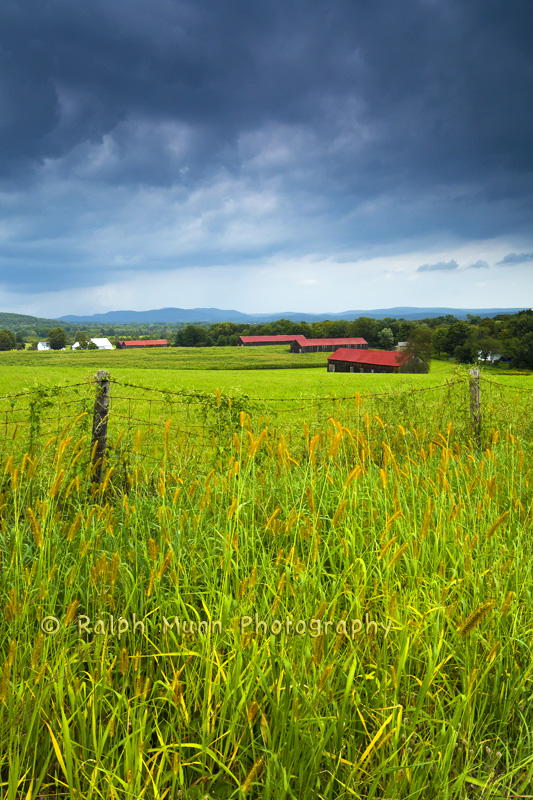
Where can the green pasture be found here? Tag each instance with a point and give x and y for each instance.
(149, 387)
(258, 372)
(397, 541)
(399, 547)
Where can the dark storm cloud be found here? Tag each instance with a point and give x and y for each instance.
(73, 72)
(370, 121)
(441, 266)
(516, 258)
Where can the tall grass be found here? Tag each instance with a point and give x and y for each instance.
(329, 603)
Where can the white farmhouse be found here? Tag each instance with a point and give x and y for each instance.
(102, 344)
(45, 346)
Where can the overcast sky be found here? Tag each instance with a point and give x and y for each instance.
(265, 155)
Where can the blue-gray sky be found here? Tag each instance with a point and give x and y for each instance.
(265, 155)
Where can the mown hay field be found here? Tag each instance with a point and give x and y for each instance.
(306, 598)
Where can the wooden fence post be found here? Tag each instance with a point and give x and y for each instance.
(100, 416)
(475, 405)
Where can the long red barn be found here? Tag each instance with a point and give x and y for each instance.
(327, 345)
(142, 343)
(344, 360)
(255, 341)
(300, 344)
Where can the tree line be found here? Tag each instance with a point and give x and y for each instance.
(506, 337)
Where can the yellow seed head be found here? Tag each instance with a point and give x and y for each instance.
(324, 677)
(56, 486)
(475, 618)
(74, 527)
(496, 524)
(176, 756)
(35, 527)
(233, 508)
(355, 473)
(339, 513)
(71, 612)
(506, 605)
(386, 547)
(252, 775)
(153, 550)
(37, 650)
(312, 447)
(124, 660)
(398, 554)
(151, 581)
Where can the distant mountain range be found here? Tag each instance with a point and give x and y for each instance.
(211, 315)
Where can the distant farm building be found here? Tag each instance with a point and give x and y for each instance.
(257, 341)
(300, 344)
(345, 360)
(45, 346)
(303, 345)
(489, 357)
(101, 344)
(142, 343)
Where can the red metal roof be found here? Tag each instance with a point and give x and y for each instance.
(340, 341)
(278, 339)
(381, 358)
(146, 342)
(302, 340)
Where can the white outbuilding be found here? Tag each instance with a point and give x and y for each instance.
(102, 344)
(45, 346)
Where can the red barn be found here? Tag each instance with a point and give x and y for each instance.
(345, 360)
(303, 345)
(255, 341)
(300, 344)
(142, 343)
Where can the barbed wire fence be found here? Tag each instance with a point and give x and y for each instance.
(150, 426)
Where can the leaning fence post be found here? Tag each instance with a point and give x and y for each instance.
(100, 417)
(475, 404)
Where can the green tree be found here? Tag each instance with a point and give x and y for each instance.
(419, 350)
(467, 353)
(456, 336)
(7, 340)
(83, 341)
(523, 356)
(57, 338)
(386, 338)
(438, 339)
(192, 336)
(367, 328)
